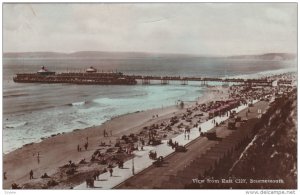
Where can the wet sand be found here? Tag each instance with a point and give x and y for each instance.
(58, 150)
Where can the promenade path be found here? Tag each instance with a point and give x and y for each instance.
(202, 155)
(141, 161)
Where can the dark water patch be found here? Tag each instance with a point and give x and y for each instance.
(15, 95)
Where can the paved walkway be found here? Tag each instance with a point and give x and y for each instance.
(142, 161)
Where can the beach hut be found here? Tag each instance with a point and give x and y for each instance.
(223, 109)
(212, 113)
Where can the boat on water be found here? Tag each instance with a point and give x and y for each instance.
(90, 77)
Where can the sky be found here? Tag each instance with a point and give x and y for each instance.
(189, 28)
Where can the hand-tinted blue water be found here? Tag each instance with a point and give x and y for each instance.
(32, 111)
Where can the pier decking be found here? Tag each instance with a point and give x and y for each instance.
(114, 78)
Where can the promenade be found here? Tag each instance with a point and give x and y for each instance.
(203, 157)
(141, 161)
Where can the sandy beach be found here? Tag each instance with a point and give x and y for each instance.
(56, 151)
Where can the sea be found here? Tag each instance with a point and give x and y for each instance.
(32, 111)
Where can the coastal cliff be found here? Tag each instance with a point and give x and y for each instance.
(272, 154)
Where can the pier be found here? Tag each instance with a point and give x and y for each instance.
(146, 80)
(118, 78)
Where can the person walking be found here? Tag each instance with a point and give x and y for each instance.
(4, 176)
(111, 171)
(95, 176)
(31, 174)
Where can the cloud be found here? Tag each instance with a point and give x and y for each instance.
(197, 28)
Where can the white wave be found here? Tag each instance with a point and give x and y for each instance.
(78, 103)
(82, 122)
(14, 125)
(104, 101)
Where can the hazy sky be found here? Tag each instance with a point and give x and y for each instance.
(195, 28)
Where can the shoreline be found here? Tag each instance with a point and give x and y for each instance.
(61, 130)
(57, 150)
(41, 139)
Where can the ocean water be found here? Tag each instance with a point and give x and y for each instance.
(33, 111)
